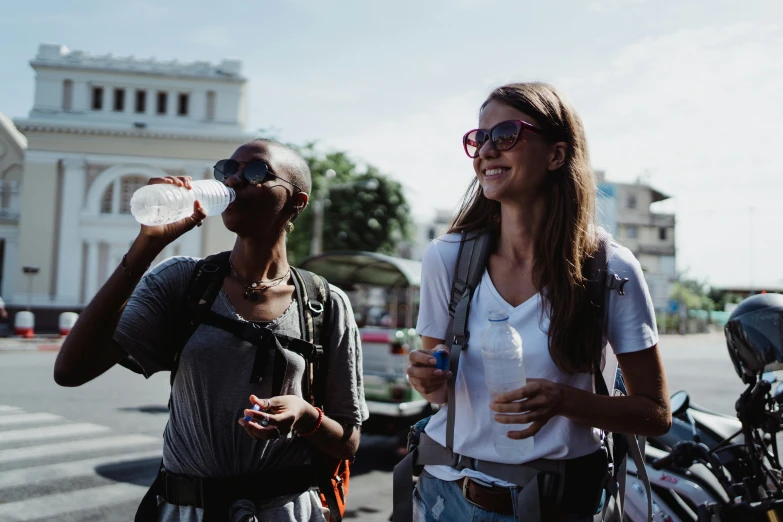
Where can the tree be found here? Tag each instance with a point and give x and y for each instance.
(362, 210)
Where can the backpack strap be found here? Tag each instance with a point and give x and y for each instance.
(599, 284)
(314, 297)
(206, 280)
(471, 264)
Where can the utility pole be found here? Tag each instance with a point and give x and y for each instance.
(316, 243)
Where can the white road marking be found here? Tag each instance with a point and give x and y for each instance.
(121, 442)
(29, 418)
(51, 432)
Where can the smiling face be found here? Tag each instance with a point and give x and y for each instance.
(519, 173)
(261, 209)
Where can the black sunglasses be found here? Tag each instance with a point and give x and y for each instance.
(255, 173)
(504, 135)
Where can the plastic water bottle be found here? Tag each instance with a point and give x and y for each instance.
(162, 204)
(504, 370)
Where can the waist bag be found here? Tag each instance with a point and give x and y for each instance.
(329, 475)
(594, 484)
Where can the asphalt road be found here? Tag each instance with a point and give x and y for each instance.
(87, 454)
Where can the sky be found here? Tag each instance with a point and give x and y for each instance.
(686, 94)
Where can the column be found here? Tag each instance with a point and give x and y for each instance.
(69, 256)
(11, 269)
(91, 275)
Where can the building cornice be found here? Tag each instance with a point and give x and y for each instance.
(27, 126)
(59, 56)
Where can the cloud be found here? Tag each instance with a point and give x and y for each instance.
(701, 110)
(606, 5)
(423, 150)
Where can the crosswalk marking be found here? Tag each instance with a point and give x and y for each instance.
(54, 469)
(28, 418)
(79, 446)
(60, 503)
(51, 432)
(9, 409)
(68, 470)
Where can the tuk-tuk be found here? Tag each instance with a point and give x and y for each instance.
(384, 294)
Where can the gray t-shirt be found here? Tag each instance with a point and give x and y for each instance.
(212, 385)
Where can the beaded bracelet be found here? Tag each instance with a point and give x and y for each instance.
(317, 424)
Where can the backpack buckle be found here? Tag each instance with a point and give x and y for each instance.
(315, 307)
(615, 281)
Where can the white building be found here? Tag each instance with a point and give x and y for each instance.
(99, 128)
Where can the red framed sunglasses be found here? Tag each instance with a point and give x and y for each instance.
(504, 135)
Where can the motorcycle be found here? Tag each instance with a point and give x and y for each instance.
(713, 467)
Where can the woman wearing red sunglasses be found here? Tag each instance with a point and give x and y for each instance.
(534, 191)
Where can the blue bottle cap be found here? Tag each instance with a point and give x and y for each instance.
(256, 407)
(441, 360)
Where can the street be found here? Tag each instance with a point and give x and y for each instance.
(84, 454)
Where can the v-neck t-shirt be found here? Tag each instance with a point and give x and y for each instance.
(631, 327)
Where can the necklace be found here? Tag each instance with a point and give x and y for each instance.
(252, 290)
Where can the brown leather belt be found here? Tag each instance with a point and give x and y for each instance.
(492, 498)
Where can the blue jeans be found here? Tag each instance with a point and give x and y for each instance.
(436, 500)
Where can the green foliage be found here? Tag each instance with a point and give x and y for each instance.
(362, 211)
(694, 294)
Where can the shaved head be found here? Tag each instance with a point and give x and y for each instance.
(289, 160)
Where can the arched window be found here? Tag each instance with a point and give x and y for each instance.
(116, 198)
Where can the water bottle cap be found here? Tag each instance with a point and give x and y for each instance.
(496, 316)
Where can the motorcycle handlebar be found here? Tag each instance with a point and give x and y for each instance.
(663, 462)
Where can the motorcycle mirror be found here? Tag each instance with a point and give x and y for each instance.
(680, 402)
(770, 377)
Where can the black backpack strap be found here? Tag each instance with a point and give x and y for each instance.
(313, 294)
(471, 264)
(203, 288)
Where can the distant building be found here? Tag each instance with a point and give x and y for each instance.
(99, 128)
(624, 211)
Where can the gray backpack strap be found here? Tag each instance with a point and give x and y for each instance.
(471, 263)
(599, 284)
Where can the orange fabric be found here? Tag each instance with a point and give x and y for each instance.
(340, 476)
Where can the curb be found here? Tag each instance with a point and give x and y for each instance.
(19, 345)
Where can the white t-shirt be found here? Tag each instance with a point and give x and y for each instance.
(631, 328)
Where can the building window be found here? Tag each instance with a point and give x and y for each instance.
(632, 201)
(662, 233)
(67, 94)
(631, 231)
(163, 99)
(210, 105)
(129, 185)
(97, 98)
(119, 100)
(182, 104)
(106, 201)
(141, 101)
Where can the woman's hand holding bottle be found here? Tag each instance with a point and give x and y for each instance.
(425, 376)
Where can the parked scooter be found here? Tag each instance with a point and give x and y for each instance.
(712, 467)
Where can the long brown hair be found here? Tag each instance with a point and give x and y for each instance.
(566, 235)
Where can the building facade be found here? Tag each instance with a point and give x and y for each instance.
(99, 128)
(624, 211)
